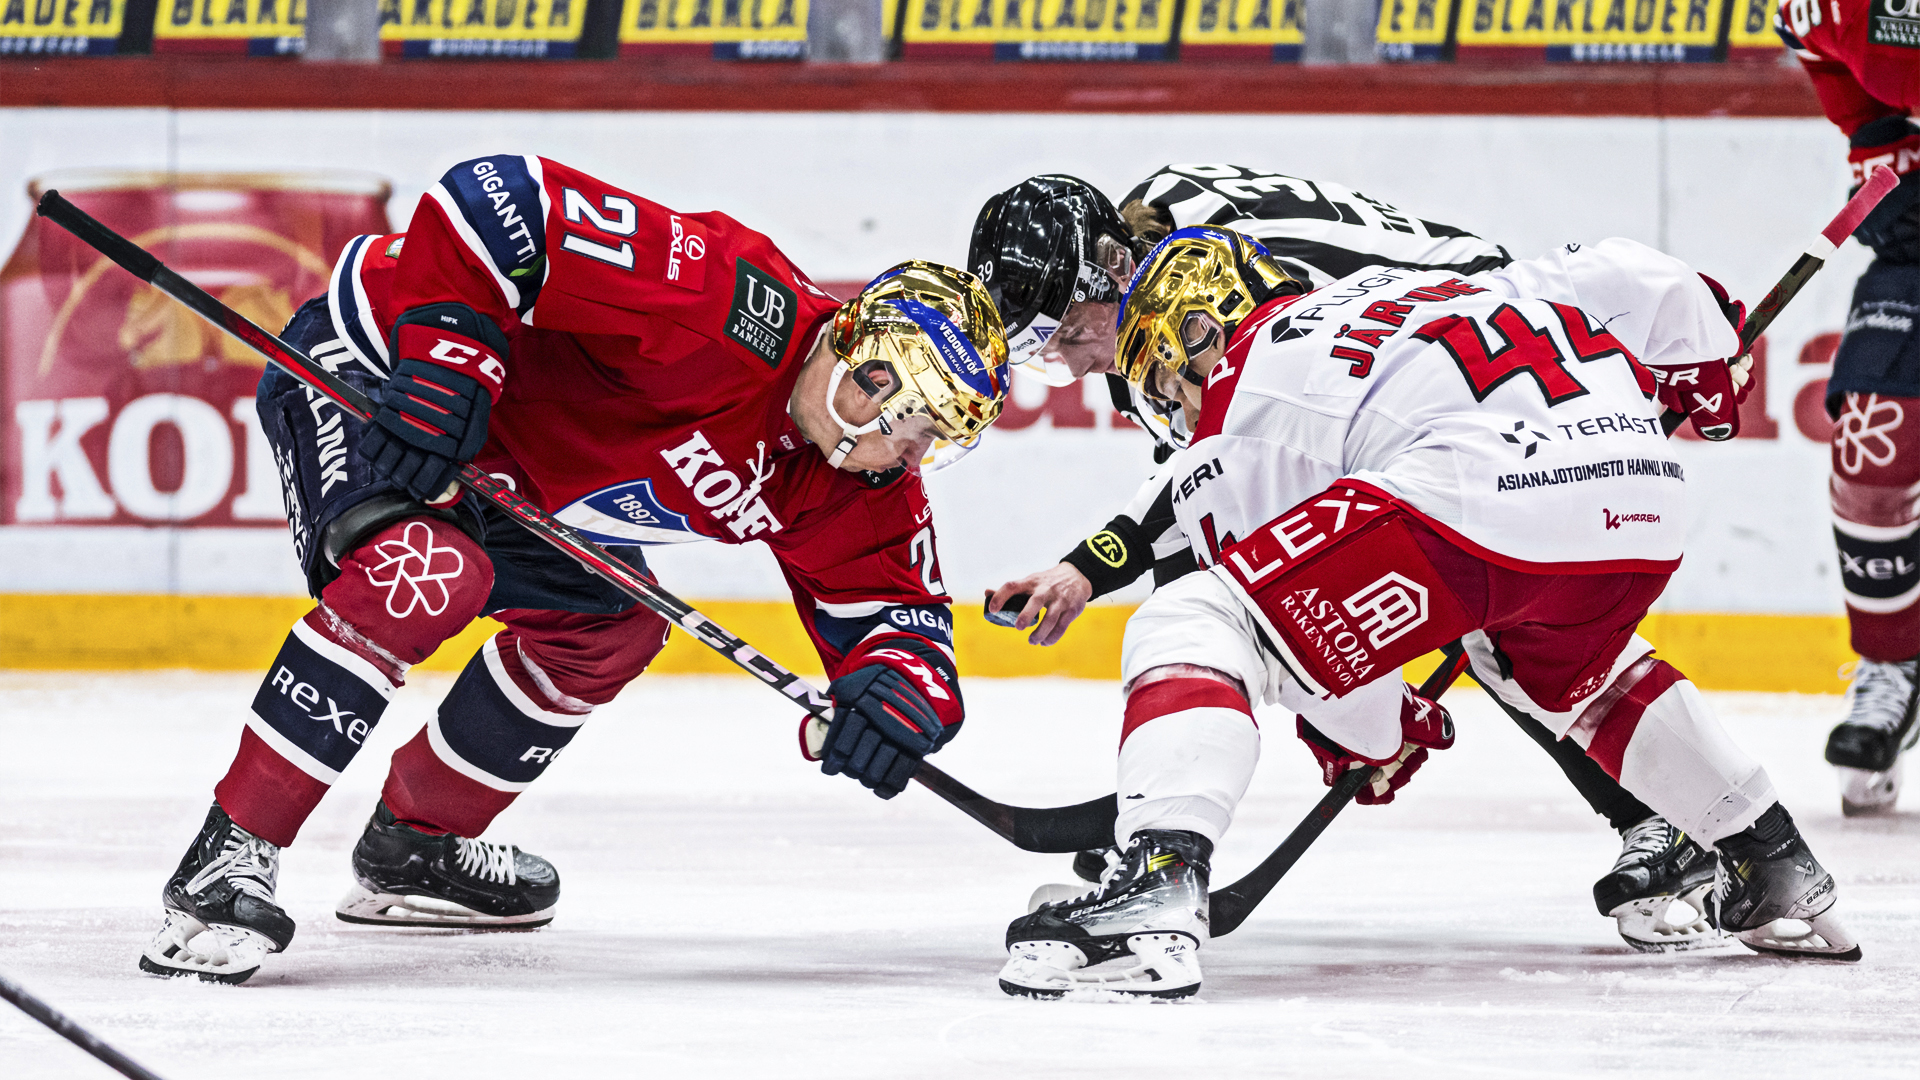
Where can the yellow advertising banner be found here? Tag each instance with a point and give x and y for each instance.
(1592, 30)
(481, 28)
(1750, 33)
(60, 27)
(722, 29)
(1043, 29)
(253, 27)
(1413, 29)
(1242, 29)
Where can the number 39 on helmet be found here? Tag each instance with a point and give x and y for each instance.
(1201, 270)
(936, 331)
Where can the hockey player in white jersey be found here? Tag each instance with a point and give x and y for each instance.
(1379, 467)
(1056, 254)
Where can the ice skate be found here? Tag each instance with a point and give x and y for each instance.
(1657, 892)
(1089, 866)
(1775, 896)
(405, 877)
(221, 921)
(1138, 932)
(1866, 745)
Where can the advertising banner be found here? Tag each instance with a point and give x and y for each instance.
(722, 29)
(249, 27)
(1242, 30)
(118, 405)
(1670, 31)
(1750, 33)
(548, 29)
(1414, 29)
(1044, 29)
(60, 27)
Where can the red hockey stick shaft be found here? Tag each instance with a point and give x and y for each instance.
(1084, 825)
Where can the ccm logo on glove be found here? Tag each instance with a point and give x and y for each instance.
(454, 351)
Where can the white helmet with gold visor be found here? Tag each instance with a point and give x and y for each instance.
(935, 331)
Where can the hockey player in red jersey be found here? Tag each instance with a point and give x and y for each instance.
(1403, 458)
(1864, 58)
(646, 376)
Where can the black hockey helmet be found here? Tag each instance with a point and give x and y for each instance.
(1036, 247)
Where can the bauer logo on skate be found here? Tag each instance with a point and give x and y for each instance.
(414, 571)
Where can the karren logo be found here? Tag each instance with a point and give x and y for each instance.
(1614, 520)
(1389, 608)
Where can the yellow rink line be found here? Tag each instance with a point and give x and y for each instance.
(225, 633)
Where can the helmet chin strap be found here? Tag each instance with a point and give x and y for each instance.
(849, 434)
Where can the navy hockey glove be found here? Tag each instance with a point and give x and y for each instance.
(1892, 230)
(891, 712)
(432, 415)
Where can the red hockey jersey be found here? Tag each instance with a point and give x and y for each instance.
(1863, 55)
(652, 355)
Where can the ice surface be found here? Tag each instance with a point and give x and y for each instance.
(730, 913)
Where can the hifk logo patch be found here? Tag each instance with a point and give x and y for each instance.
(634, 502)
(763, 312)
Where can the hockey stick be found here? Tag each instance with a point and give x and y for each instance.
(1054, 829)
(1229, 907)
(1812, 258)
(64, 1026)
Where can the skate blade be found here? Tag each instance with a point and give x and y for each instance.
(1822, 937)
(1167, 965)
(1660, 924)
(1865, 793)
(187, 947)
(363, 905)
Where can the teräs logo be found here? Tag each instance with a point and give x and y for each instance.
(1614, 520)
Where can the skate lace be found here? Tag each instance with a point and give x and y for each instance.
(1880, 693)
(248, 863)
(1643, 841)
(492, 862)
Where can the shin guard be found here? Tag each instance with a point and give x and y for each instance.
(496, 732)
(1187, 752)
(1876, 523)
(1652, 731)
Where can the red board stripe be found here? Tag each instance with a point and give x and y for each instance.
(677, 84)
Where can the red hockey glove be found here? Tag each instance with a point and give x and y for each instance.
(1424, 725)
(1709, 394)
(900, 704)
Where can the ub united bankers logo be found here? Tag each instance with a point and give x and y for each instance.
(763, 312)
(1896, 22)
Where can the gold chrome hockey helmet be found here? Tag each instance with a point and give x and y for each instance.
(936, 331)
(1203, 269)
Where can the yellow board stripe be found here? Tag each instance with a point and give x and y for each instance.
(1800, 653)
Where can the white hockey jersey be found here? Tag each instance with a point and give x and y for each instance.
(1509, 407)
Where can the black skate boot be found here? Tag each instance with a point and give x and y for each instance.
(410, 878)
(221, 921)
(1770, 886)
(1879, 725)
(1151, 905)
(1657, 891)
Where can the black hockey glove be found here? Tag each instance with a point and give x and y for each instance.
(430, 422)
(888, 715)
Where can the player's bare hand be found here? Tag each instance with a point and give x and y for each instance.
(1060, 590)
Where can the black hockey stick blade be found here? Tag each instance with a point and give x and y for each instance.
(1057, 825)
(64, 1026)
(1229, 907)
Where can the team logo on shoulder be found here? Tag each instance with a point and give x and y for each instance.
(687, 253)
(1108, 548)
(763, 312)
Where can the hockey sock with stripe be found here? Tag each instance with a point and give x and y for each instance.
(1875, 493)
(1187, 752)
(1653, 732)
